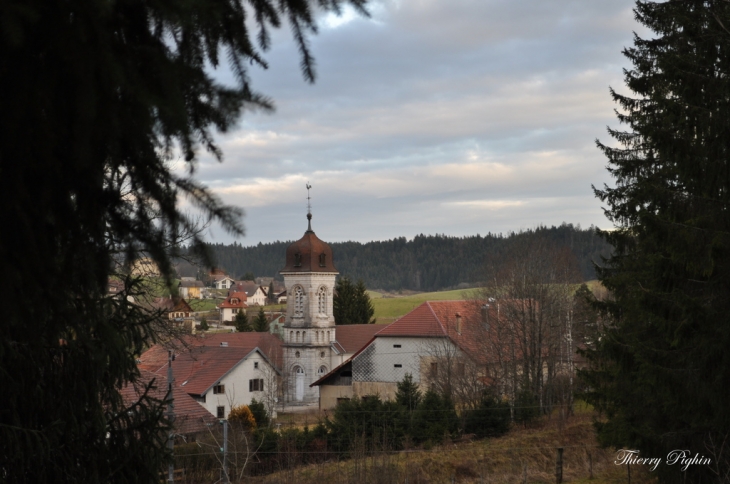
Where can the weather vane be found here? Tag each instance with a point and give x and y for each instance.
(309, 209)
(309, 205)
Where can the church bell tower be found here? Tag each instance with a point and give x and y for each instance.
(309, 327)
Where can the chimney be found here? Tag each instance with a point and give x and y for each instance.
(224, 344)
(458, 323)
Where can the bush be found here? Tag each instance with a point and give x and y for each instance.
(204, 325)
(435, 418)
(242, 415)
(490, 419)
(526, 407)
(374, 422)
(259, 413)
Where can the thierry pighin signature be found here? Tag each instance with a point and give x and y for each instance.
(682, 458)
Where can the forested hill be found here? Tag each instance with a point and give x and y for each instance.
(425, 263)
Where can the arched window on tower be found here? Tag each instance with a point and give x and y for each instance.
(322, 300)
(298, 302)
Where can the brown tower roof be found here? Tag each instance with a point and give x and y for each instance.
(309, 254)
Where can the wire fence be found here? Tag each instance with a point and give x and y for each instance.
(456, 462)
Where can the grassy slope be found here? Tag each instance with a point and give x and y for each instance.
(500, 460)
(387, 309)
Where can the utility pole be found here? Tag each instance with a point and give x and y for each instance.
(171, 418)
(225, 451)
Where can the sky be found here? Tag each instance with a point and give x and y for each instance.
(451, 117)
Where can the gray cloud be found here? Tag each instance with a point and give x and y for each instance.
(431, 117)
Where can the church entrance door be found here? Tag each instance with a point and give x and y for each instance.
(300, 384)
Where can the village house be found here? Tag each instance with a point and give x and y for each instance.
(189, 288)
(175, 309)
(223, 370)
(255, 294)
(235, 303)
(223, 281)
(440, 343)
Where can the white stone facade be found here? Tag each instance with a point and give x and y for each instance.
(309, 330)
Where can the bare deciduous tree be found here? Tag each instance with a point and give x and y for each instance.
(531, 341)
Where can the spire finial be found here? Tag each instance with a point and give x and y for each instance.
(309, 209)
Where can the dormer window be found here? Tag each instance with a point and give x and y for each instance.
(297, 260)
(322, 259)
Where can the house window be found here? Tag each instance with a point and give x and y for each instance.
(256, 385)
(398, 365)
(297, 260)
(255, 365)
(396, 346)
(322, 260)
(220, 412)
(434, 370)
(218, 389)
(322, 370)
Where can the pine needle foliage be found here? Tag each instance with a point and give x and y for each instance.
(352, 304)
(260, 323)
(98, 98)
(660, 369)
(243, 325)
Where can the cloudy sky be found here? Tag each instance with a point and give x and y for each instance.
(432, 116)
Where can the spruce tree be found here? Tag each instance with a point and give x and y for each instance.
(243, 325)
(98, 98)
(260, 323)
(660, 369)
(351, 304)
(407, 394)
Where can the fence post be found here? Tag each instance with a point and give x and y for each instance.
(590, 466)
(559, 466)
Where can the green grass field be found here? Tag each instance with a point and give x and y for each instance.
(388, 309)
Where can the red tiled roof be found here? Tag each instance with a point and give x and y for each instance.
(241, 296)
(196, 371)
(269, 344)
(352, 337)
(422, 321)
(190, 416)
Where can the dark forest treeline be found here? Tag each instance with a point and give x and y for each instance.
(425, 263)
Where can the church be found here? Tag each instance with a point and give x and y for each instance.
(309, 327)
